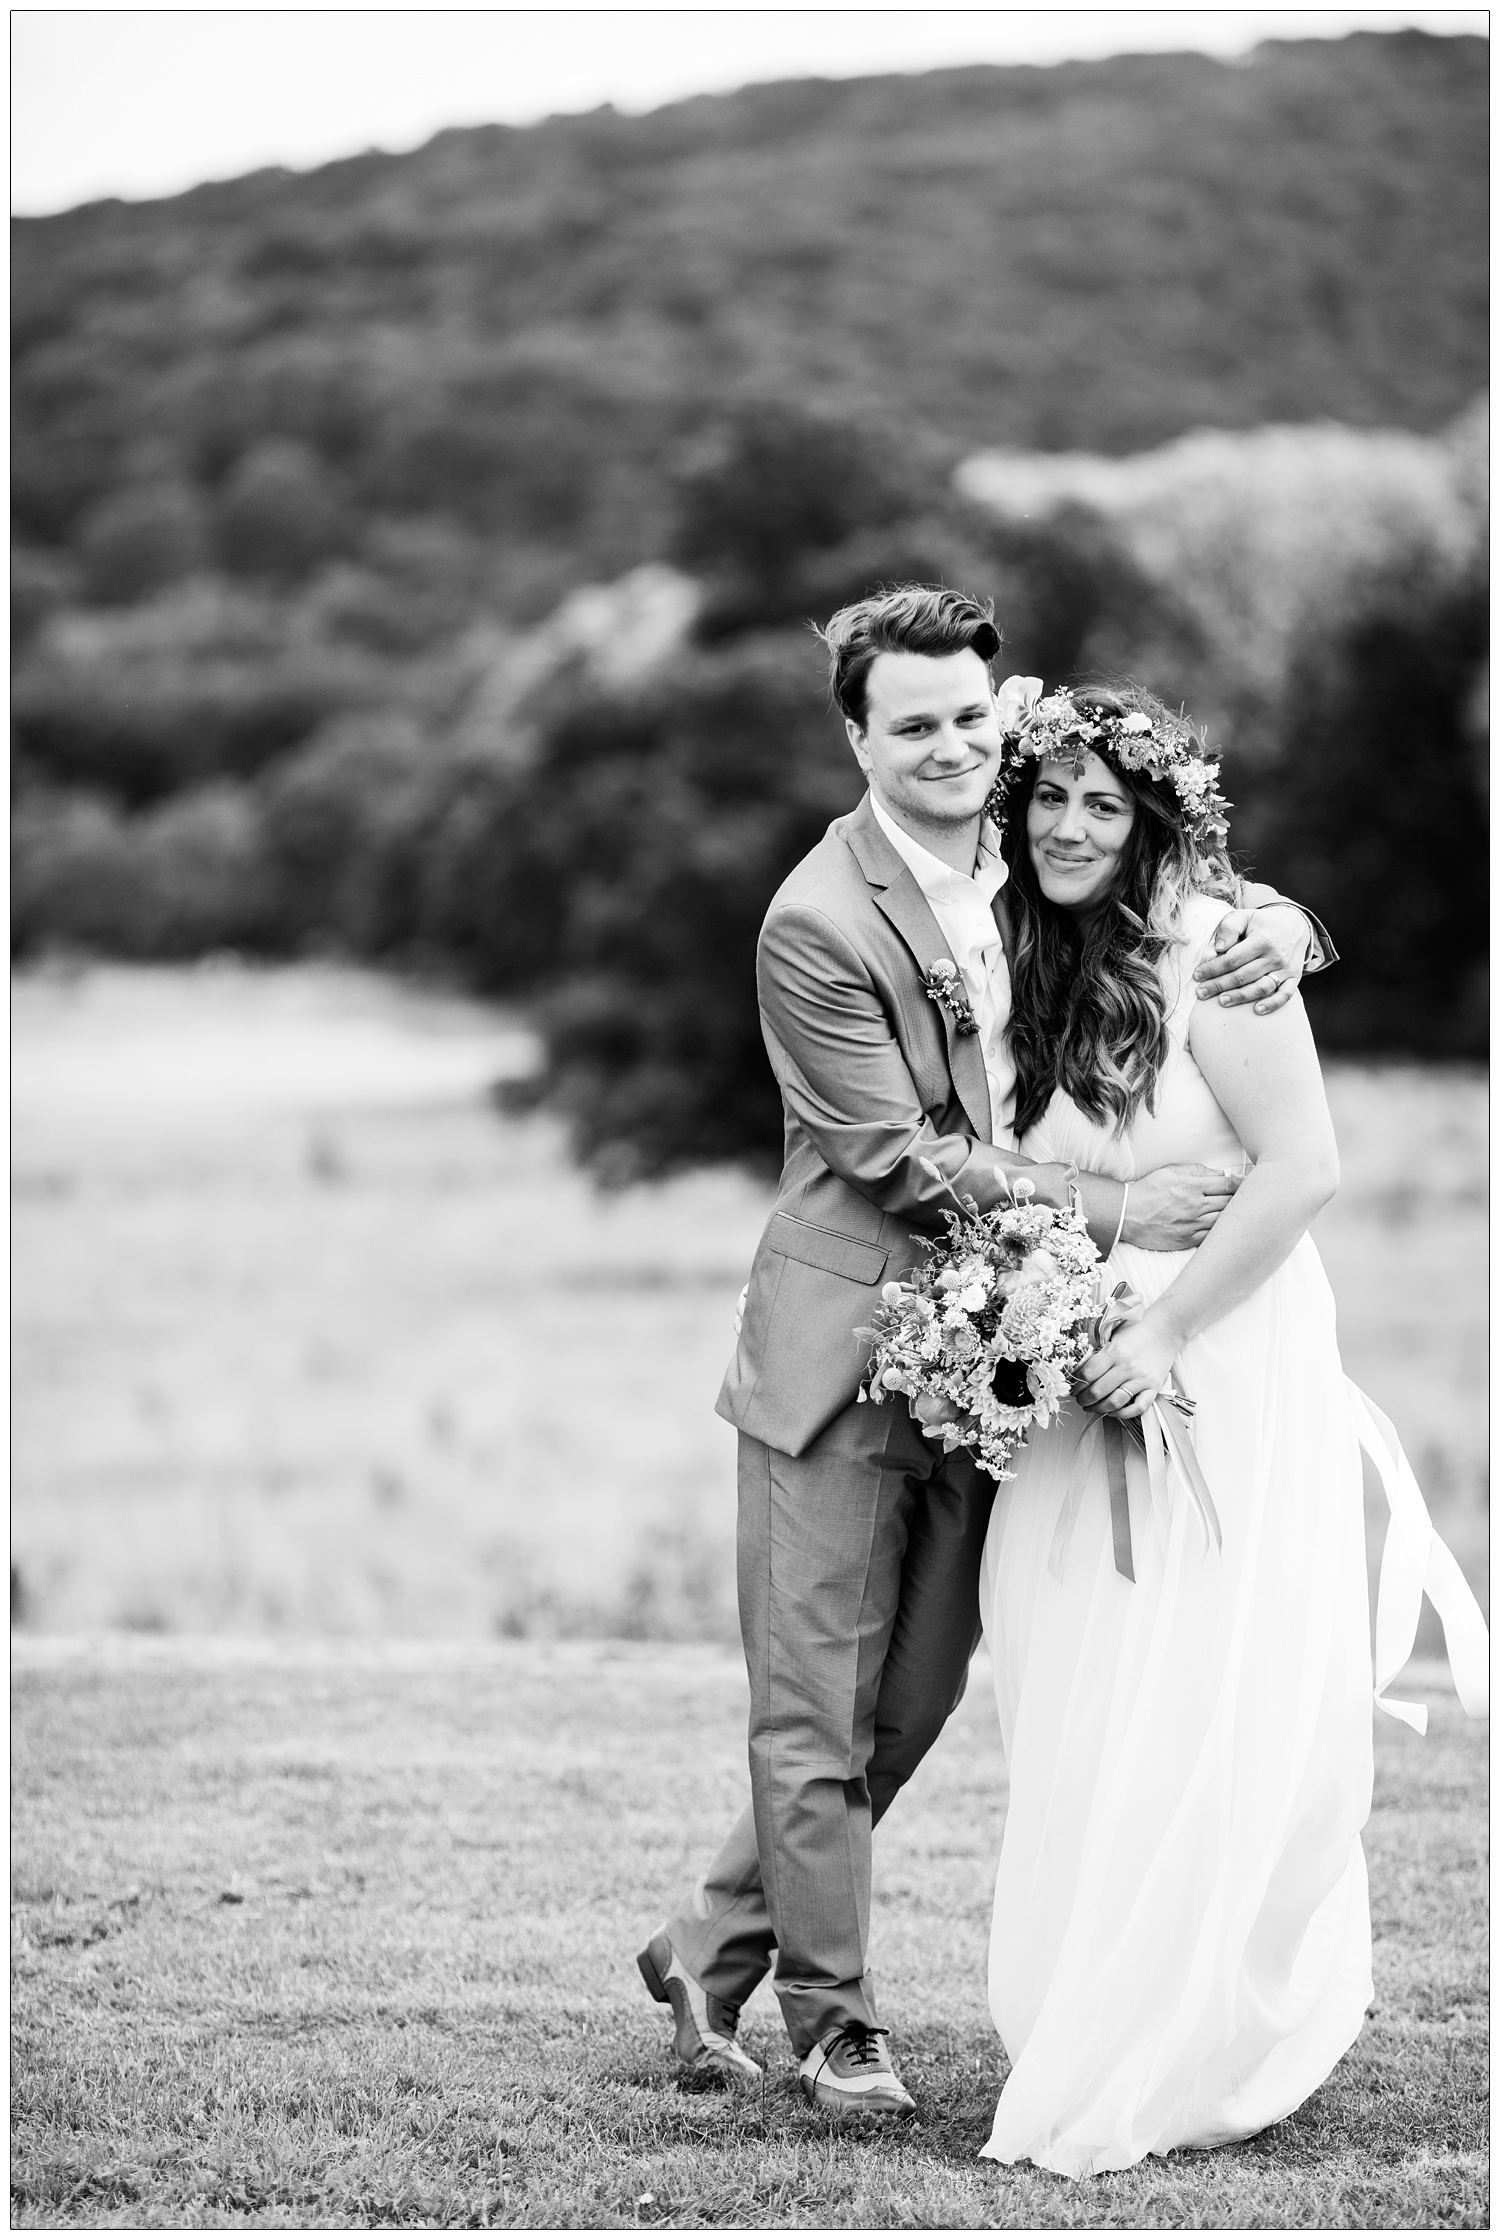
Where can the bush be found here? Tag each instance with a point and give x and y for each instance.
(1073, 602)
(74, 879)
(202, 682)
(279, 514)
(1199, 566)
(773, 481)
(937, 546)
(140, 540)
(511, 443)
(491, 888)
(41, 585)
(186, 877)
(671, 815)
(343, 822)
(413, 584)
(1377, 815)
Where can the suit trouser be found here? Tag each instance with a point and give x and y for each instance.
(859, 1607)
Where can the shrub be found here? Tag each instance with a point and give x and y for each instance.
(1072, 601)
(491, 894)
(141, 539)
(413, 584)
(507, 441)
(174, 881)
(279, 514)
(41, 585)
(342, 822)
(1211, 556)
(677, 810)
(936, 546)
(1377, 815)
(73, 877)
(204, 681)
(773, 481)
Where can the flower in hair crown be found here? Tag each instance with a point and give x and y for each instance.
(1060, 728)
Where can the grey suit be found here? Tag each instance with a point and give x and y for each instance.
(859, 1542)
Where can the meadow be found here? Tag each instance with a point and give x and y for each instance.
(309, 1338)
(311, 1936)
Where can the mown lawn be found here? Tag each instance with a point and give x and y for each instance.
(343, 1935)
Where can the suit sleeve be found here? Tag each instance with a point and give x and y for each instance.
(1321, 952)
(842, 1073)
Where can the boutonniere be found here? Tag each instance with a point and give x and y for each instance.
(944, 985)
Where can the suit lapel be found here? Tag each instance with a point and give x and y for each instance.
(898, 895)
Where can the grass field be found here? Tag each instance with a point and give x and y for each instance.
(342, 1935)
(308, 1339)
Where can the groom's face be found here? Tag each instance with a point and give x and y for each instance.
(930, 742)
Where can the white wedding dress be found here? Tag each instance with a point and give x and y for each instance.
(1181, 1941)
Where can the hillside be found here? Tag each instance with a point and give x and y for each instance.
(470, 364)
(415, 556)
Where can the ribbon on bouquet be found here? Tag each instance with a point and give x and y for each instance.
(1415, 1561)
(1163, 1437)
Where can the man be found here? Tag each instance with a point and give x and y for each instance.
(859, 1542)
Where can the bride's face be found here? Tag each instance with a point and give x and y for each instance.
(1078, 822)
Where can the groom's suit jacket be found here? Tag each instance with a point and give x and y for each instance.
(875, 1077)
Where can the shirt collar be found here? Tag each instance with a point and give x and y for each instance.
(939, 879)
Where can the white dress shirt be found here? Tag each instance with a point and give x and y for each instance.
(962, 904)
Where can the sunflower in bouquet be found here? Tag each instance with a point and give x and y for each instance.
(983, 1341)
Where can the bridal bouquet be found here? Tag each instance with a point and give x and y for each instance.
(984, 1340)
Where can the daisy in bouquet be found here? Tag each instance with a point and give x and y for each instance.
(984, 1340)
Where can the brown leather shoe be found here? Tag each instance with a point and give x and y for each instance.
(707, 2030)
(849, 2071)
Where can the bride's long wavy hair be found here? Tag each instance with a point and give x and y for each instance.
(1088, 1013)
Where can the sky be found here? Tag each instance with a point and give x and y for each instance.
(144, 102)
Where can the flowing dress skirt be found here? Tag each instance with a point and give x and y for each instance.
(1181, 1944)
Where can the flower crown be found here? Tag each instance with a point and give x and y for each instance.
(1059, 729)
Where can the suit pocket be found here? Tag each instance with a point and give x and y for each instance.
(827, 1249)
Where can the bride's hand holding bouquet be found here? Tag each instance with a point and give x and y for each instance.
(1131, 1367)
(983, 1342)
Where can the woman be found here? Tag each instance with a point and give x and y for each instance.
(1181, 1944)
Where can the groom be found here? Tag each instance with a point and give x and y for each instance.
(859, 1542)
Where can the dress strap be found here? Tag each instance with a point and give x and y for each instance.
(1415, 1560)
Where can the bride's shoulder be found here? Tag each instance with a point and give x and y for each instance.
(1200, 918)
(1197, 924)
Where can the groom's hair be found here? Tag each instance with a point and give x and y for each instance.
(905, 618)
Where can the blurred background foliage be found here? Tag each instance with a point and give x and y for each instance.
(414, 557)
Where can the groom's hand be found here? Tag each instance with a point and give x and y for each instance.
(1258, 957)
(1173, 1208)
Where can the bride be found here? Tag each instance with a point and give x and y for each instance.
(1181, 1942)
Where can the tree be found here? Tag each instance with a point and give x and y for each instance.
(280, 513)
(343, 823)
(773, 481)
(680, 808)
(187, 876)
(1376, 815)
(140, 539)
